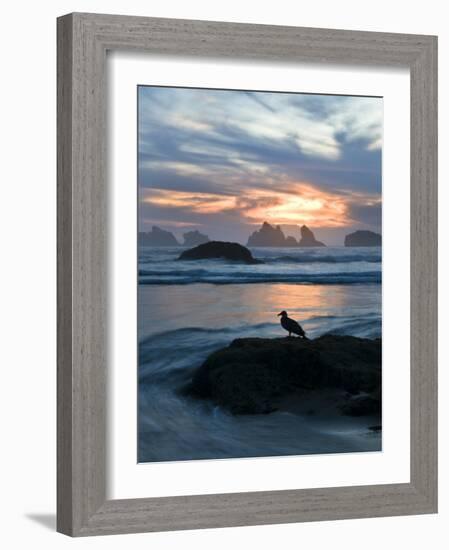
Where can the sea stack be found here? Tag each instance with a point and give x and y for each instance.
(308, 238)
(157, 237)
(268, 235)
(363, 238)
(273, 236)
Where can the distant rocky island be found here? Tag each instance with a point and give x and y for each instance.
(194, 238)
(267, 236)
(157, 237)
(363, 238)
(308, 238)
(160, 237)
(271, 236)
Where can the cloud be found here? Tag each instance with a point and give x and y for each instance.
(369, 213)
(300, 203)
(215, 156)
(201, 203)
(312, 122)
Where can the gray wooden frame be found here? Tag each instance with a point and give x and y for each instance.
(83, 40)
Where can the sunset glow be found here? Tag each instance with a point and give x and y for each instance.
(202, 203)
(302, 204)
(225, 161)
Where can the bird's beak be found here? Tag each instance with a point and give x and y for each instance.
(278, 315)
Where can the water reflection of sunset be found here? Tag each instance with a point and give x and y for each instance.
(234, 305)
(301, 301)
(304, 300)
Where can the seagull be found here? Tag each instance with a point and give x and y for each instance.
(291, 325)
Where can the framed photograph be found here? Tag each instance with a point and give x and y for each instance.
(247, 274)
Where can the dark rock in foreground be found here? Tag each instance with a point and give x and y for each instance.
(308, 238)
(221, 250)
(363, 238)
(157, 237)
(194, 238)
(253, 375)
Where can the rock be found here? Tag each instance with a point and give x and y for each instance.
(308, 238)
(194, 238)
(291, 241)
(252, 375)
(222, 250)
(157, 237)
(267, 236)
(363, 238)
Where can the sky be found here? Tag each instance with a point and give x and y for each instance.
(223, 162)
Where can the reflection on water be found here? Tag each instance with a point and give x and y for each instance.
(317, 307)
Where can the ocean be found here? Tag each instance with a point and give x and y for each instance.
(188, 309)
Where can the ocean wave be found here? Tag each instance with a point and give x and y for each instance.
(189, 335)
(287, 259)
(205, 276)
(171, 356)
(189, 331)
(312, 259)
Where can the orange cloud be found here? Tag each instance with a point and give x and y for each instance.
(301, 203)
(201, 203)
(298, 203)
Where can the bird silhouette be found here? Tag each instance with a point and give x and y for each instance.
(290, 325)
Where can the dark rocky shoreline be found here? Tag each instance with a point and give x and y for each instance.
(261, 375)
